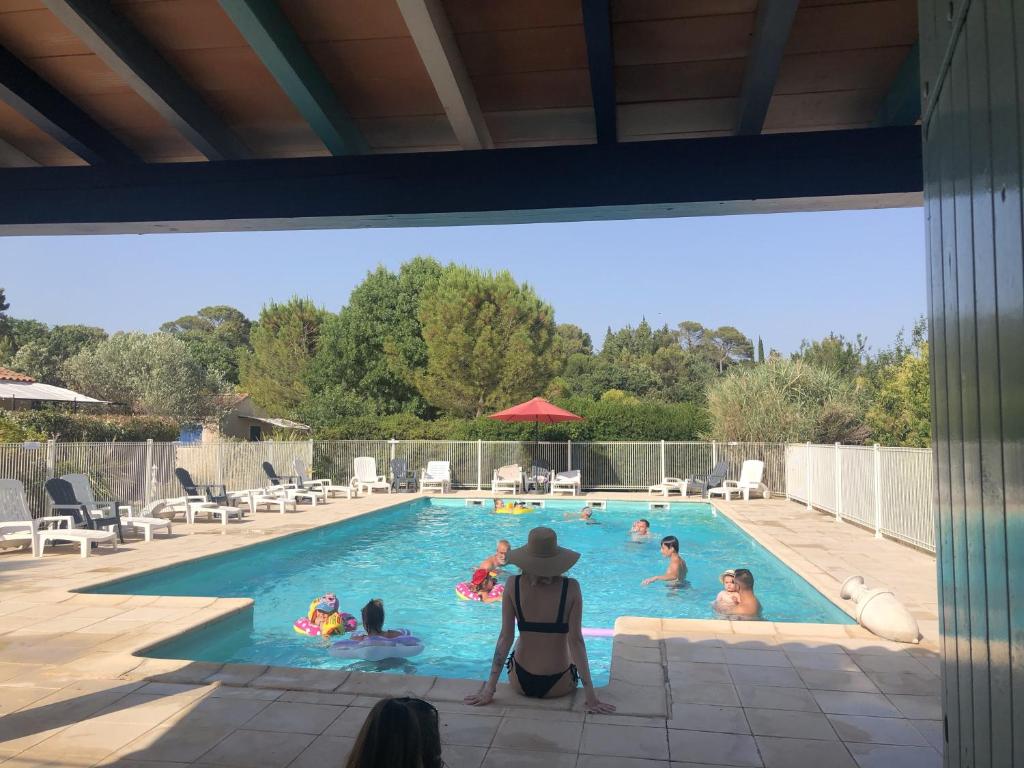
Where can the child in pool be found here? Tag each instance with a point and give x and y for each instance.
(729, 597)
(373, 622)
(326, 607)
(482, 583)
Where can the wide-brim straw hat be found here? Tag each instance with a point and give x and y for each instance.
(542, 556)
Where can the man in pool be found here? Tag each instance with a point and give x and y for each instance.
(676, 571)
(586, 515)
(748, 607)
(498, 559)
(641, 530)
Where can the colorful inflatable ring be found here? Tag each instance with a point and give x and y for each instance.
(337, 623)
(464, 590)
(377, 648)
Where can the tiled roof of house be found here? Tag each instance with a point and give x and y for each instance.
(6, 374)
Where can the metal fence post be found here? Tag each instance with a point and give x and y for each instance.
(393, 443)
(810, 477)
(479, 464)
(878, 491)
(147, 493)
(568, 459)
(714, 456)
(51, 458)
(220, 468)
(839, 485)
(662, 459)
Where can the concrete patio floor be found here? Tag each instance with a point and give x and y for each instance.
(689, 692)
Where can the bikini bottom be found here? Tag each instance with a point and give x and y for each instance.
(538, 686)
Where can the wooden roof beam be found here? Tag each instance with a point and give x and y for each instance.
(52, 112)
(12, 157)
(771, 31)
(273, 39)
(122, 48)
(902, 104)
(597, 26)
(432, 33)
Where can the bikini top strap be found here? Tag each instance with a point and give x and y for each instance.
(519, 606)
(561, 603)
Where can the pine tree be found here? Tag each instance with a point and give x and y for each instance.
(760, 350)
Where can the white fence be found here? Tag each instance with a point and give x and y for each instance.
(888, 490)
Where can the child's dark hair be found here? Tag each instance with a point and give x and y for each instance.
(398, 733)
(645, 521)
(671, 542)
(744, 577)
(373, 616)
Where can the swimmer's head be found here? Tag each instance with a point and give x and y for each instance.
(728, 579)
(669, 544)
(373, 616)
(642, 526)
(502, 551)
(744, 579)
(586, 513)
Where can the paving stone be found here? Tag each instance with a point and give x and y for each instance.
(258, 749)
(877, 730)
(850, 703)
(881, 756)
(774, 697)
(715, 748)
(324, 751)
(503, 757)
(624, 741)
(294, 717)
(790, 724)
(468, 730)
(803, 753)
(829, 680)
(705, 717)
(538, 735)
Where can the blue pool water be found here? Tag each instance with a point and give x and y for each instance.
(412, 555)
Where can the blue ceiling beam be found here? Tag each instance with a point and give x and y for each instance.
(53, 113)
(771, 31)
(902, 104)
(597, 25)
(273, 39)
(122, 48)
(825, 170)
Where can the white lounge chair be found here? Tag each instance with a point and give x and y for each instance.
(670, 484)
(751, 475)
(275, 497)
(325, 484)
(209, 499)
(508, 479)
(436, 475)
(146, 522)
(366, 477)
(570, 480)
(17, 526)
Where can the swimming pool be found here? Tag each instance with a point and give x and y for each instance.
(412, 554)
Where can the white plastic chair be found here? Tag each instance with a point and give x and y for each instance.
(366, 477)
(145, 523)
(751, 474)
(436, 475)
(17, 525)
(670, 484)
(569, 480)
(508, 479)
(325, 484)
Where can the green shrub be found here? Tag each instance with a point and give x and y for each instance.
(88, 428)
(604, 420)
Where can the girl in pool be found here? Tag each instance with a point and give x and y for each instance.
(729, 597)
(373, 622)
(482, 584)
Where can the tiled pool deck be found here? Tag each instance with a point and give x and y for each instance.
(690, 693)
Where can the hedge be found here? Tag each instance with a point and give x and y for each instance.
(602, 420)
(19, 426)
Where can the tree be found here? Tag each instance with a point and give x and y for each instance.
(6, 340)
(900, 412)
(284, 340)
(570, 340)
(731, 346)
(760, 350)
(834, 353)
(785, 401)
(691, 334)
(488, 342)
(153, 374)
(44, 357)
(216, 335)
(374, 347)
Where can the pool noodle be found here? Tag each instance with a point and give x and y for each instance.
(598, 632)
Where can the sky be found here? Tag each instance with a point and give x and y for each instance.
(783, 277)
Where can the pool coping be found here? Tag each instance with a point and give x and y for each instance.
(638, 682)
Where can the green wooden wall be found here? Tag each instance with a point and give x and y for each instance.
(972, 76)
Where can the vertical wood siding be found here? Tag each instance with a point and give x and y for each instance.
(973, 81)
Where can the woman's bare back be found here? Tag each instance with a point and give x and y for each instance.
(539, 652)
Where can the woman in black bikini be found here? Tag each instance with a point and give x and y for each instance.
(550, 657)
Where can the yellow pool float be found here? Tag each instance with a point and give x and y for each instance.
(511, 509)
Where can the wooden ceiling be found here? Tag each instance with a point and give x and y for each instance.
(509, 74)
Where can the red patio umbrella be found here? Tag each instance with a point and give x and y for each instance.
(539, 411)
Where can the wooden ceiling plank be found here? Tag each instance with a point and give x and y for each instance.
(12, 157)
(597, 25)
(771, 31)
(432, 33)
(48, 109)
(124, 49)
(902, 104)
(275, 41)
